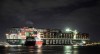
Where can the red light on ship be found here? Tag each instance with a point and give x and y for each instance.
(39, 44)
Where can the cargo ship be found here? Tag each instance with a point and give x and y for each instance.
(39, 37)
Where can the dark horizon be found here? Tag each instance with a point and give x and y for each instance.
(82, 15)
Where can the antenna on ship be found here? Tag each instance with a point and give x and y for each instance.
(75, 33)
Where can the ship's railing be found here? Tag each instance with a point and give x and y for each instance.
(64, 38)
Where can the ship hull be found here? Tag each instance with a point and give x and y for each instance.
(30, 43)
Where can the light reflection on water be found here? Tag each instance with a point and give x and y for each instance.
(45, 50)
(70, 50)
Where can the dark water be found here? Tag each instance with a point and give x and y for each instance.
(51, 50)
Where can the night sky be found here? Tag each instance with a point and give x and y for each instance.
(83, 15)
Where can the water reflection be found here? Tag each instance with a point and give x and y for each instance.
(43, 50)
(50, 50)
